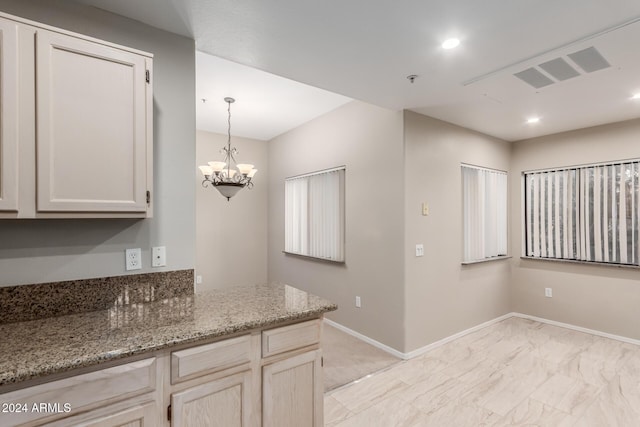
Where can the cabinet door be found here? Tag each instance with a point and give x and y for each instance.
(8, 116)
(138, 416)
(91, 126)
(292, 393)
(221, 403)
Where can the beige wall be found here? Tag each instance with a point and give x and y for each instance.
(231, 235)
(34, 251)
(601, 298)
(368, 141)
(442, 296)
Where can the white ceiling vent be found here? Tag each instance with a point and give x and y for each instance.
(559, 69)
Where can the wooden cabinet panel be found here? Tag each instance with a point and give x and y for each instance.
(287, 338)
(91, 126)
(210, 358)
(292, 392)
(8, 116)
(226, 402)
(84, 391)
(144, 415)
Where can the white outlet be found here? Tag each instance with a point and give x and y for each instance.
(420, 250)
(158, 256)
(358, 302)
(133, 259)
(548, 292)
(198, 280)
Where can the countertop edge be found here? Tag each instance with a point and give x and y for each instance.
(13, 378)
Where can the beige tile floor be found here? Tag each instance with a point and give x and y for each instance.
(514, 373)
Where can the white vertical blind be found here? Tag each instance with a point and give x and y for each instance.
(484, 193)
(592, 210)
(314, 215)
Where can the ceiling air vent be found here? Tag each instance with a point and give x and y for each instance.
(559, 69)
(534, 77)
(589, 60)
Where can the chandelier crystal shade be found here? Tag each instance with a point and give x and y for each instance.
(228, 177)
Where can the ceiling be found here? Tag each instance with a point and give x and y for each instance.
(365, 49)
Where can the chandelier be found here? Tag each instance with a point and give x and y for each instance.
(228, 179)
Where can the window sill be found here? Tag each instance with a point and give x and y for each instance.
(313, 258)
(495, 258)
(575, 261)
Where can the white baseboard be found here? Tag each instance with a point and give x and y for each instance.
(422, 350)
(578, 328)
(392, 351)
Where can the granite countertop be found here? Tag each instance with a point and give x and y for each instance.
(36, 348)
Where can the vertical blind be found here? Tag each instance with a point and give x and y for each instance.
(587, 213)
(484, 213)
(314, 215)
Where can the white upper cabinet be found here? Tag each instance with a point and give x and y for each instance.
(91, 126)
(76, 123)
(8, 116)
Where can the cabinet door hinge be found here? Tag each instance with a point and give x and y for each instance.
(147, 75)
(148, 197)
(169, 413)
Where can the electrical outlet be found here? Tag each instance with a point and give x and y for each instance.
(133, 259)
(199, 280)
(548, 292)
(420, 250)
(158, 256)
(358, 302)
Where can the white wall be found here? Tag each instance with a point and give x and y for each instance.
(442, 296)
(231, 235)
(368, 141)
(35, 251)
(597, 297)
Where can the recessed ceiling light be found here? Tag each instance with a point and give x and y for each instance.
(450, 43)
(533, 120)
(636, 96)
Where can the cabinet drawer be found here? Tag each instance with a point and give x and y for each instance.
(287, 338)
(210, 358)
(75, 394)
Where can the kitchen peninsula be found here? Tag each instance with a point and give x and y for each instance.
(159, 354)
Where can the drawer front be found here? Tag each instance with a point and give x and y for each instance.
(287, 338)
(209, 358)
(71, 395)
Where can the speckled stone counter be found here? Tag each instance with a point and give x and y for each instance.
(36, 348)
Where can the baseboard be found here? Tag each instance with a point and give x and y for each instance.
(421, 350)
(578, 328)
(392, 351)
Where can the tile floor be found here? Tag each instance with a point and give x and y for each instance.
(514, 373)
(347, 358)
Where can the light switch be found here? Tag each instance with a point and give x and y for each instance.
(420, 250)
(425, 209)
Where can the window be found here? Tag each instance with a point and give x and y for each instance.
(587, 213)
(484, 193)
(314, 214)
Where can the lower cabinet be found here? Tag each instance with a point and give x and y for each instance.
(138, 416)
(226, 402)
(292, 392)
(271, 378)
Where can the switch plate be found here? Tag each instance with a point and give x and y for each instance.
(548, 292)
(358, 302)
(425, 209)
(158, 256)
(420, 250)
(133, 259)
